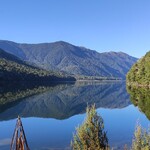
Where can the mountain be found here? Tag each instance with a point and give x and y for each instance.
(71, 59)
(62, 101)
(14, 69)
(139, 74)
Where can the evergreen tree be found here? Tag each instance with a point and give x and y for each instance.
(141, 139)
(91, 135)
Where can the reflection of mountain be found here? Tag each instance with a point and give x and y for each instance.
(67, 100)
(141, 97)
(11, 94)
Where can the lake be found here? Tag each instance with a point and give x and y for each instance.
(50, 114)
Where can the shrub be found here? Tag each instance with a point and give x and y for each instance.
(91, 135)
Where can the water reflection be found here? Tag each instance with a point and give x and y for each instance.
(61, 101)
(140, 97)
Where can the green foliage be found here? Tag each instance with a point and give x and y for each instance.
(140, 97)
(12, 68)
(139, 74)
(9, 66)
(141, 140)
(91, 135)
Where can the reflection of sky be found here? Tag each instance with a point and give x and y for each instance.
(4, 142)
(120, 123)
(44, 133)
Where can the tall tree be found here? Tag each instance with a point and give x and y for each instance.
(141, 139)
(91, 135)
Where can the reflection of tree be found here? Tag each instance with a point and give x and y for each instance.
(141, 97)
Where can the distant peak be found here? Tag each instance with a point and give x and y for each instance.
(6, 41)
(62, 42)
(116, 53)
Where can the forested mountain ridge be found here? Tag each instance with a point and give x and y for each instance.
(65, 57)
(139, 74)
(13, 68)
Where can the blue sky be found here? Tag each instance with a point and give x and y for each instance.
(102, 25)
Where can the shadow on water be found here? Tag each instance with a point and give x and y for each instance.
(140, 97)
(60, 101)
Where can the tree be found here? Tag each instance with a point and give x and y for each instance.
(141, 139)
(91, 135)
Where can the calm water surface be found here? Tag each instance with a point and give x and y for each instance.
(50, 114)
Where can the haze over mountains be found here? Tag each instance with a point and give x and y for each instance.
(65, 57)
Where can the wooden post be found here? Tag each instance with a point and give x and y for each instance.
(19, 141)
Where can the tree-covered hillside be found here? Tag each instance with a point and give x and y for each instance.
(12, 68)
(139, 74)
